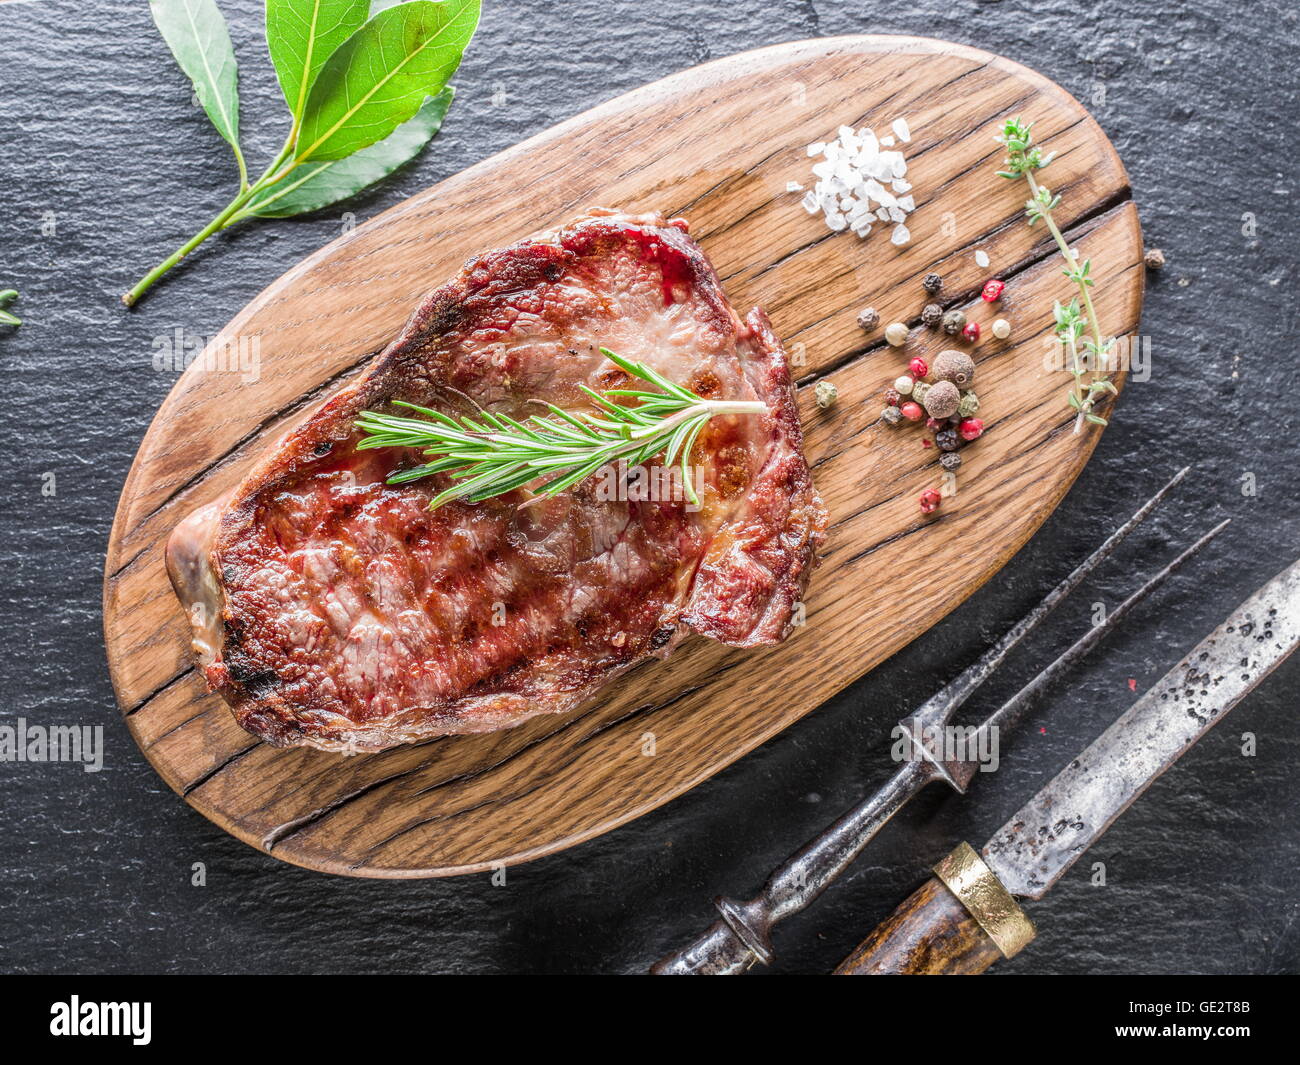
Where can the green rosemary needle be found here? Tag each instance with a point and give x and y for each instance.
(7, 297)
(491, 454)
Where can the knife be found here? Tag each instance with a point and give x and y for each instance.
(966, 917)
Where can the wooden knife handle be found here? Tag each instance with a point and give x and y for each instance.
(931, 934)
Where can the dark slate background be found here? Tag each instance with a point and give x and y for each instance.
(106, 167)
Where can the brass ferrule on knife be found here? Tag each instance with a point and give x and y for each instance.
(978, 888)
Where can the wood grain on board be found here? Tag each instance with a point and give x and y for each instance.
(716, 144)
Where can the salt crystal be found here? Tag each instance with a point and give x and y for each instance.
(849, 191)
(981, 258)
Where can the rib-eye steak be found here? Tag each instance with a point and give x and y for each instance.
(334, 610)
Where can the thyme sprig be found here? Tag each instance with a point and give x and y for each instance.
(491, 454)
(1076, 322)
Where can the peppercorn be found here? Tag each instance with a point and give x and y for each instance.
(903, 385)
(971, 332)
(911, 411)
(950, 460)
(955, 366)
(932, 283)
(868, 318)
(896, 334)
(942, 400)
(971, 429)
(970, 403)
(930, 500)
(919, 390)
(953, 322)
(932, 315)
(1154, 259)
(918, 368)
(891, 415)
(992, 291)
(826, 394)
(947, 439)
(1001, 329)
(893, 397)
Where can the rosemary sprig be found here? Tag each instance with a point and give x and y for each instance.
(1078, 316)
(491, 454)
(7, 297)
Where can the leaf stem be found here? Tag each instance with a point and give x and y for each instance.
(231, 214)
(1073, 260)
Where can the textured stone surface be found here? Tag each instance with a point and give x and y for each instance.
(100, 140)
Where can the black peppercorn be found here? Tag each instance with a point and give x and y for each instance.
(947, 440)
(932, 315)
(891, 415)
(868, 318)
(932, 283)
(950, 460)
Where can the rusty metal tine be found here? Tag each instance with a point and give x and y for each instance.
(1012, 712)
(940, 707)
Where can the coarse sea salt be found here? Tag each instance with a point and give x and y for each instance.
(849, 192)
(981, 258)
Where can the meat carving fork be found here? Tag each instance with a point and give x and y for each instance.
(743, 934)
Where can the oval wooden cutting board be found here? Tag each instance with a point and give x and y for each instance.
(717, 145)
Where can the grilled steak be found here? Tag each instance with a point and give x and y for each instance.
(336, 611)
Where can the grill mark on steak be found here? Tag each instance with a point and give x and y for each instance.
(352, 618)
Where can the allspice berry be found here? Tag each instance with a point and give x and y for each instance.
(1154, 259)
(955, 366)
(932, 315)
(942, 399)
(868, 318)
(953, 322)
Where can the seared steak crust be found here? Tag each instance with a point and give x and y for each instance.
(353, 618)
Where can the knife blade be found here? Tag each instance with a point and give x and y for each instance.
(1046, 836)
(967, 917)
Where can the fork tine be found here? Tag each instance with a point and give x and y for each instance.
(1013, 710)
(940, 707)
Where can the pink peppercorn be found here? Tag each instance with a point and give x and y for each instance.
(971, 332)
(911, 411)
(992, 291)
(971, 428)
(918, 368)
(930, 500)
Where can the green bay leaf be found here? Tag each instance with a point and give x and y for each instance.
(316, 185)
(302, 34)
(379, 77)
(195, 31)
